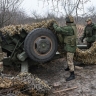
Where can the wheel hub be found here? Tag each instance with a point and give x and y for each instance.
(42, 45)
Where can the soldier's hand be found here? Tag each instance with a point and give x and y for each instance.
(81, 39)
(54, 25)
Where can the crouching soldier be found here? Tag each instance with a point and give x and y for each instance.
(69, 36)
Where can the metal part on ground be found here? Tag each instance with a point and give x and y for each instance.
(24, 84)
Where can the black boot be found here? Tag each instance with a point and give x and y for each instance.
(67, 69)
(71, 77)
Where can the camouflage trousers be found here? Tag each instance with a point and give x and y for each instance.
(70, 61)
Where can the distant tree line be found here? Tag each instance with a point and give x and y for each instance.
(11, 14)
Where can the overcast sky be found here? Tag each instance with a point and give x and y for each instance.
(43, 8)
(34, 5)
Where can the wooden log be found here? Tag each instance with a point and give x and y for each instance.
(65, 89)
(78, 67)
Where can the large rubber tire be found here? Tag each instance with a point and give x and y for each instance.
(40, 45)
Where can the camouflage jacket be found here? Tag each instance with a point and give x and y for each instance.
(90, 33)
(69, 36)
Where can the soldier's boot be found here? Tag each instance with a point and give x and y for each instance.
(67, 69)
(71, 77)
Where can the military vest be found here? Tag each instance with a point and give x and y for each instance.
(71, 40)
(89, 30)
(90, 33)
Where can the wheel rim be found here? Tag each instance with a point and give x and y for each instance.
(42, 45)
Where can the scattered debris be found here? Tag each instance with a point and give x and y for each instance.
(56, 84)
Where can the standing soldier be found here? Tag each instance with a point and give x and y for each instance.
(69, 36)
(89, 33)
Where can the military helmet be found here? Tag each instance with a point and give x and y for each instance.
(69, 19)
(89, 19)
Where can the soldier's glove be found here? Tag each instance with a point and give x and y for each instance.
(54, 25)
(50, 25)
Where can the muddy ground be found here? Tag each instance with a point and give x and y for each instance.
(53, 72)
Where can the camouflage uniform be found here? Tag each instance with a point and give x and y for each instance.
(89, 34)
(70, 61)
(69, 41)
(69, 35)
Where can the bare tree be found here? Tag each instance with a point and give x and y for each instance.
(91, 11)
(67, 7)
(35, 15)
(7, 8)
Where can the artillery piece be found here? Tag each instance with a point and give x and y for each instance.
(37, 41)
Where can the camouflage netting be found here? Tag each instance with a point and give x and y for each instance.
(16, 29)
(24, 84)
(87, 56)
